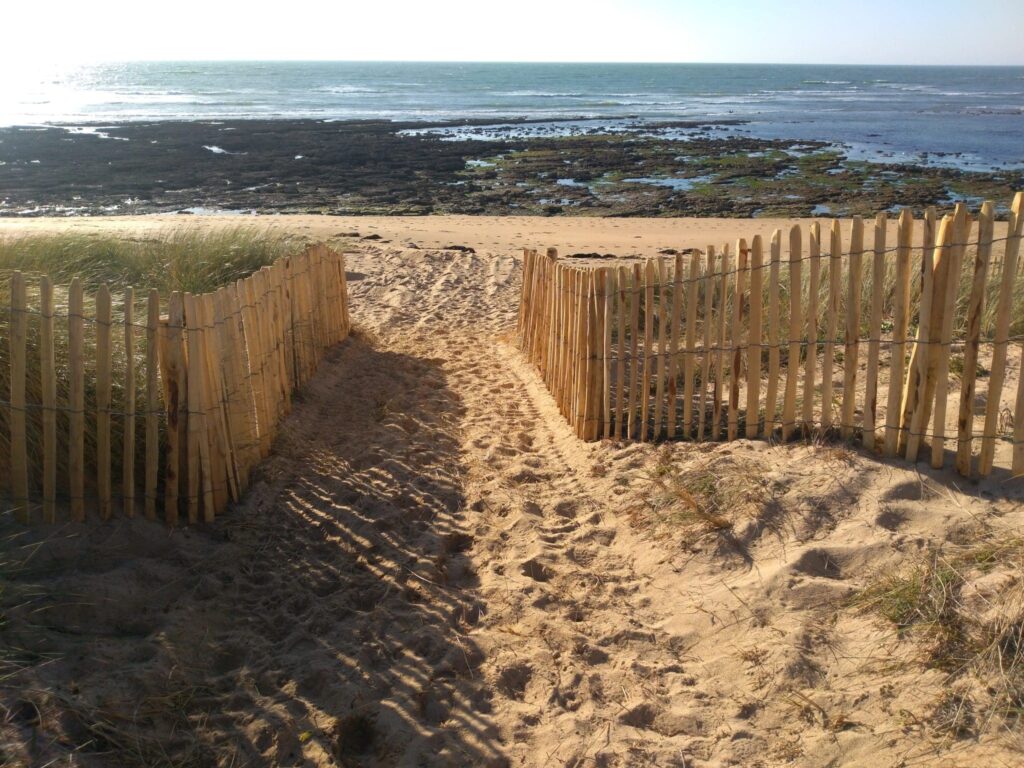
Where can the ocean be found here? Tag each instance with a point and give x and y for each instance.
(970, 118)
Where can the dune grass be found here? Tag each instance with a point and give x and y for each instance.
(181, 260)
(976, 639)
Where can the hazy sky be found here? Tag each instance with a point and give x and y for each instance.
(810, 31)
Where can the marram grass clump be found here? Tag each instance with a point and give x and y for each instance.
(180, 260)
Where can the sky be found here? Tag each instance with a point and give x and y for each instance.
(63, 32)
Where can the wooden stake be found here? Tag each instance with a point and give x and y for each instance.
(835, 272)
(772, 393)
(175, 379)
(795, 328)
(152, 402)
(663, 323)
(754, 338)
(47, 367)
(723, 343)
(737, 336)
(874, 332)
(975, 308)
(1004, 305)
(710, 285)
(673, 359)
(19, 372)
(649, 360)
(813, 294)
(255, 356)
(852, 336)
(198, 455)
(901, 327)
(689, 361)
(76, 400)
(927, 335)
(608, 298)
(1017, 465)
(128, 439)
(103, 387)
(952, 270)
(620, 372)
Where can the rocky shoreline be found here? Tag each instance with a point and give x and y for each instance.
(363, 167)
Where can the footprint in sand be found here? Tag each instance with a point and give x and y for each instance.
(537, 571)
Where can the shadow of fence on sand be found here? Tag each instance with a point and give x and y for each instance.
(324, 622)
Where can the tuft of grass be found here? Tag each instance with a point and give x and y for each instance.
(181, 260)
(923, 599)
(981, 652)
(698, 498)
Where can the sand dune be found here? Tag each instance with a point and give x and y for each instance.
(432, 570)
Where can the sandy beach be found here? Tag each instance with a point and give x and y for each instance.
(433, 570)
(644, 237)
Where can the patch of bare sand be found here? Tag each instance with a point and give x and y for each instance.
(433, 571)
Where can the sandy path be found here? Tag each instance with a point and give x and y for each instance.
(644, 237)
(431, 570)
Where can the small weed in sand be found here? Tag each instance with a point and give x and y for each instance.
(975, 637)
(700, 497)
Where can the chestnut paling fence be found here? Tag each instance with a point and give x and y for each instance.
(120, 403)
(904, 347)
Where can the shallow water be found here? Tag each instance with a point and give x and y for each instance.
(965, 117)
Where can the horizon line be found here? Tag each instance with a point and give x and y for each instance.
(538, 62)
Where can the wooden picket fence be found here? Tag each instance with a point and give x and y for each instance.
(723, 344)
(215, 372)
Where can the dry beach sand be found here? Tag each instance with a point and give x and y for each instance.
(498, 234)
(432, 570)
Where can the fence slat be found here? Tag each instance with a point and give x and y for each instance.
(649, 361)
(662, 362)
(128, 439)
(48, 378)
(813, 291)
(795, 325)
(737, 337)
(255, 356)
(755, 335)
(19, 373)
(595, 348)
(76, 400)
(947, 283)
(152, 403)
(690, 359)
(585, 291)
(874, 332)
(199, 479)
(975, 306)
(1017, 461)
(901, 327)
(918, 395)
(675, 330)
(175, 380)
(961, 228)
(721, 353)
(1004, 306)
(620, 370)
(709, 286)
(851, 349)
(103, 389)
(828, 370)
(608, 299)
(771, 397)
(224, 477)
